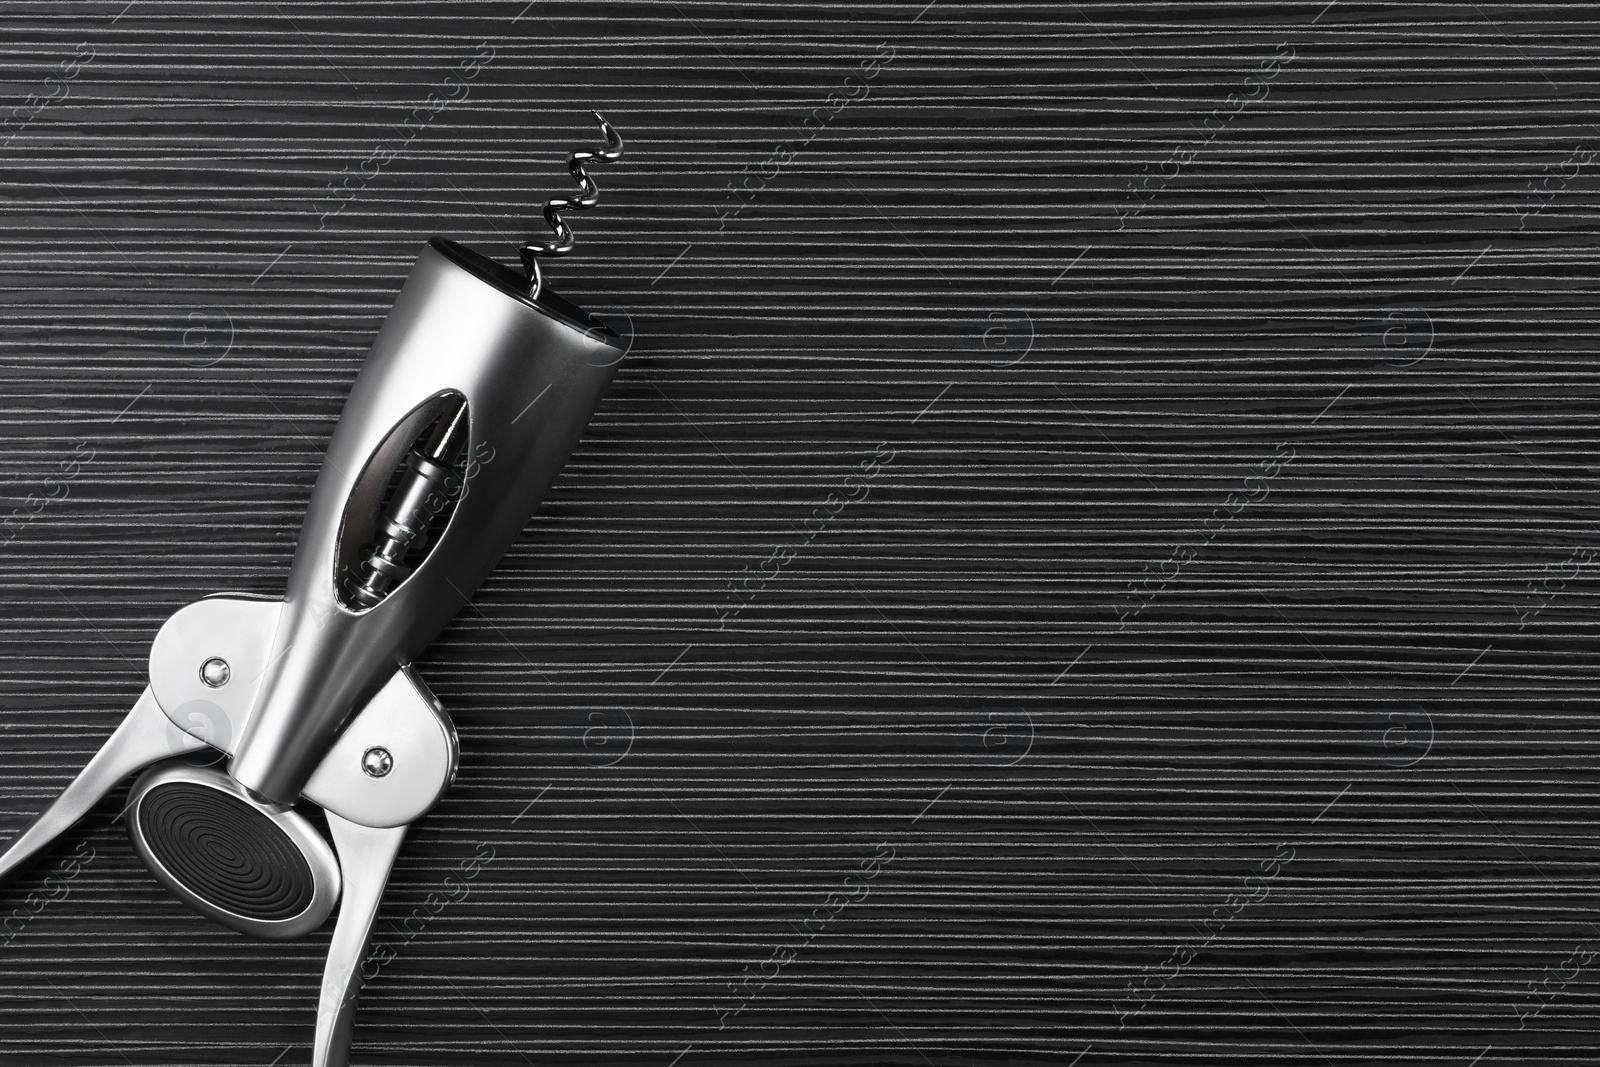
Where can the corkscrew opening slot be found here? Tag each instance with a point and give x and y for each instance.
(402, 502)
(510, 283)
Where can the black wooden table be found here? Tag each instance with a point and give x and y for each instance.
(1089, 559)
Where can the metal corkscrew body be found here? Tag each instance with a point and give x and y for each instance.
(312, 697)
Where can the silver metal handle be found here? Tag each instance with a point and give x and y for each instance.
(366, 856)
(145, 736)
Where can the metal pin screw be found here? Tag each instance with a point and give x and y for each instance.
(377, 762)
(215, 672)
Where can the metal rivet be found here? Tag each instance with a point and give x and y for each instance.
(377, 762)
(215, 672)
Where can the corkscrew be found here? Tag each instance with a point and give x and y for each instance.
(589, 196)
(312, 697)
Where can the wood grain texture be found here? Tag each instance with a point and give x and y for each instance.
(1208, 634)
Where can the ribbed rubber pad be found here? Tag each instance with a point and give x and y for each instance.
(225, 851)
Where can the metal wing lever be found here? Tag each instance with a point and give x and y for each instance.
(144, 737)
(367, 854)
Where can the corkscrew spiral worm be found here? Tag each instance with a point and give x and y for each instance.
(588, 196)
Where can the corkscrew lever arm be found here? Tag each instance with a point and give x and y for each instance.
(144, 737)
(366, 856)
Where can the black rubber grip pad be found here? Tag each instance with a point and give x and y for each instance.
(224, 851)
